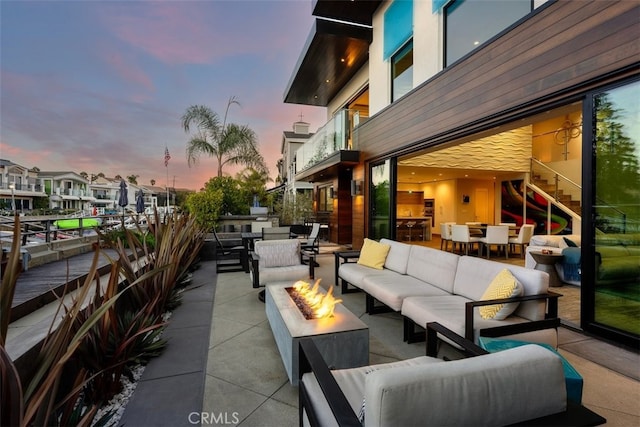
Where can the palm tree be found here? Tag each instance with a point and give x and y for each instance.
(133, 179)
(153, 182)
(230, 143)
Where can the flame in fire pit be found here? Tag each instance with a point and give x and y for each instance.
(313, 304)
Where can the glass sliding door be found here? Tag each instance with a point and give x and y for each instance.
(380, 201)
(615, 209)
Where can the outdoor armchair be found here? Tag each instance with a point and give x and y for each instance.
(280, 260)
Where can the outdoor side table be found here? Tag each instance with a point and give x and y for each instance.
(547, 263)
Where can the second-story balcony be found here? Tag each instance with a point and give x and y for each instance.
(34, 190)
(332, 144)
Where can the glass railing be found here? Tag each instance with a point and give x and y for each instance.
(561, 188)
(334, 136)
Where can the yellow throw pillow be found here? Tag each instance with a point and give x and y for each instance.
(504, 285)
(373, 254)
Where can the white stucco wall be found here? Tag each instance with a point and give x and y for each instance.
(428, 45)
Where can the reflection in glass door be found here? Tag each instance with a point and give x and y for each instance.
(616, 210)
(380, 200)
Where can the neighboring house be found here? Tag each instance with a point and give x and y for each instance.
(157, 196)
(105, 192)
(67, 190)
(487, 111)
(291, 142)
(19, 187)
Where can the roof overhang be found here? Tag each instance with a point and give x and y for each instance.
(333, 53)
(356, 11)
(330, 166)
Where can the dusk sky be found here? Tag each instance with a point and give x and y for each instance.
(100, 86)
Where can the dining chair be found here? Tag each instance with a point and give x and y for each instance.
(445, 235)
(497, 235)
(460, 234)
(523, 238)
(230, 258)
(512, 228)
(276, 233)
(311, 243)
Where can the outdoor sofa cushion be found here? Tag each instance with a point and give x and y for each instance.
(523, 383)
(373, 254)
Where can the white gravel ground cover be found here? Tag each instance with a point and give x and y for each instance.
(119, 402)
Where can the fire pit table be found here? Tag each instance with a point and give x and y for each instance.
(343, 339)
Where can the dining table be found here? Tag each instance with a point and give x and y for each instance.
(481, 230)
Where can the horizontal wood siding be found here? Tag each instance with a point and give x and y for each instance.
(558, 52)
(343, 233)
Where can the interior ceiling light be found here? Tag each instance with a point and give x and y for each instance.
(476, 43)
(328, 80)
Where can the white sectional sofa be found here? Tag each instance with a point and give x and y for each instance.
(429, 285)
(555, 244)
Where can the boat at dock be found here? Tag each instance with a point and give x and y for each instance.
(71, 223)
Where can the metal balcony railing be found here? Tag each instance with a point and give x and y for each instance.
(335, 135)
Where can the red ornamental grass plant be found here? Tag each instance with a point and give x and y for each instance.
(120, 340)
(43, 401)
(178, 240)
(11, 408)
(97, 339)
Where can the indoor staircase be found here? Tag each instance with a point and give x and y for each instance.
(555, 187)
(558, 194)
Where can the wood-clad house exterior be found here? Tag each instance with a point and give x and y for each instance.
(561, 53)
(554, 55)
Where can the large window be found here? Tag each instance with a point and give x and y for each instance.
(616, 208)
(325, 199)
(380, 201)
(402, 72)
(469, 23)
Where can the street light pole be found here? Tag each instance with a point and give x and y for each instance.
(12, 186)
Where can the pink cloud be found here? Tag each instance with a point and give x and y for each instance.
(128, 70)
(172, 32)
(200, 32)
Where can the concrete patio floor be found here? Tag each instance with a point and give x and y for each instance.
(246, 383)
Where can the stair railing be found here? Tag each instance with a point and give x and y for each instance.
(560, 181)
(553, 198)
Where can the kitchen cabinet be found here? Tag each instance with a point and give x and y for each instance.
(409, 198)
